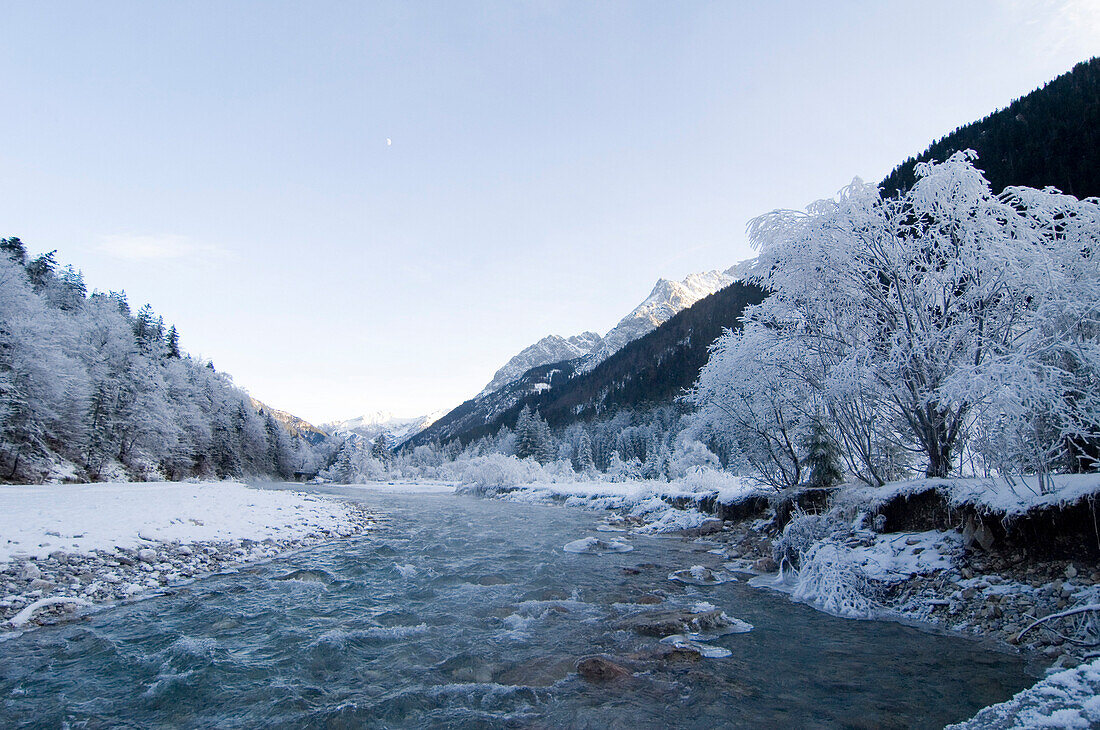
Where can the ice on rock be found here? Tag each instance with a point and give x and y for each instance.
(707, 651)
(595, 545)
(698, 575)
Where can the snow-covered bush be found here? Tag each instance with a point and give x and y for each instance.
(799, 537)
(623, 471)
(831, 581)
(729, 487)
(496, 472)
(691, 456)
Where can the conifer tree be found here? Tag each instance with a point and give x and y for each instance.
(380, 450)
(822, 460)
(586, 461)
(172, 342)
(526, 434)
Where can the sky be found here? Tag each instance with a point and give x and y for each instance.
(356, 207)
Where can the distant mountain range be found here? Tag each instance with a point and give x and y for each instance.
(667, 299)
(372, 425)
(552, 348)
(584, 352)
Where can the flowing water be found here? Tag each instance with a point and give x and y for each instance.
(460, 612)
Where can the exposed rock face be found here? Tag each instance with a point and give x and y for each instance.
(667, 299)
(552, 348)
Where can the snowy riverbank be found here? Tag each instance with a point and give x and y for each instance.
(67, 546)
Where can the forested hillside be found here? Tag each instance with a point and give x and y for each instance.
(1049, 137)
(90, 391)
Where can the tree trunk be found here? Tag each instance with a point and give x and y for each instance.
(939, 457)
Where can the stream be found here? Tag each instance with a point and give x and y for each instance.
(463, 612)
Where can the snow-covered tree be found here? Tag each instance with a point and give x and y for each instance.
(911, 321)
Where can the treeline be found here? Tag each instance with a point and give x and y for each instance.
(90, 391)
(660, 443)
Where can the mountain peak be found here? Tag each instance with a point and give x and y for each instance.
(667, 299)
(552, 348)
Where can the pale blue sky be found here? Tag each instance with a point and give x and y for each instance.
(228, 162)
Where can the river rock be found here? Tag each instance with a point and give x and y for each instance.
(667, 623)
(30, 572)
(709, 527)
(680, 654)
(766, 565)
(1071, 572)
(600, 669)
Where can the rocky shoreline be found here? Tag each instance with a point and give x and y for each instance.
(46, 591)
(985, 593)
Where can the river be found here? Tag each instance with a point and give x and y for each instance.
(463, 612)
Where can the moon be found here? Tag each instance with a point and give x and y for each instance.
(388, 141)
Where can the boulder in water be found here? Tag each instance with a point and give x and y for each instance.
(698, 575)
(600, 669)
(308, 576)
(682, 621)
(594, 545)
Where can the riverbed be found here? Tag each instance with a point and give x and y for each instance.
(456, 611)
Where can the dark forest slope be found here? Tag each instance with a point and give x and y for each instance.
(1049, 137)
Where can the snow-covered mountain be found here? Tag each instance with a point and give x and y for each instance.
(552, 348)
(371, 425)
(667, 299)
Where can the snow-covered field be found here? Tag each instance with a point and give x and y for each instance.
(73, 545)
(81, 518)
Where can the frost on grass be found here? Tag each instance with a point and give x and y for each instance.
(81, 518)
(595, 545)
(1068, 699)
(73, 545)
